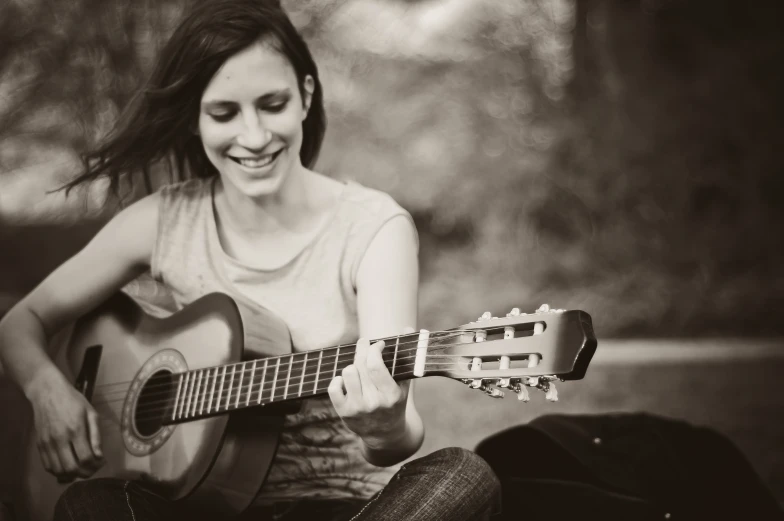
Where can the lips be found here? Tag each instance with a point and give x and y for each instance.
(257, 161)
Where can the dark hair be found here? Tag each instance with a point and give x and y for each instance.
(159, 122)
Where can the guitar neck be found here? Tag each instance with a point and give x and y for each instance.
(215, 390)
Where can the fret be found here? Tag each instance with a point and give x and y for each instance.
(263, 377)
(394, 360)
(239, 386)
(196, 394)
(302, 374)
(231, 386)
(318, 372)
(188, 395)
(177, 398)
(288, 377)
(205, 374)
(205, 387)
(220, 389)
(275, 380)
(250, 385)
(212, 390)
(205, 390)
(335, 369)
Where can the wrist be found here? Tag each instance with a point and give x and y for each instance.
(394, 447)
(386, 439)
(39, 382)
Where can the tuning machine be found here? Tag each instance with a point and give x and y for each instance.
(481, 384)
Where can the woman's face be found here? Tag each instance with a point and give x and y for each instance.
(250, 120)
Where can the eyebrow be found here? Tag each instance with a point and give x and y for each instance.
(217, 103)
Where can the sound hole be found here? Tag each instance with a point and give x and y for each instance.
(154, 403)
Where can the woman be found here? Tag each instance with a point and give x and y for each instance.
(235, 102)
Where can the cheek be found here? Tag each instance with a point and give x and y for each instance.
(214, 137)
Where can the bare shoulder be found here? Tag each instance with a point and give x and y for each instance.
(118, 253)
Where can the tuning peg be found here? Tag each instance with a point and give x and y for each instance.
(514, 313)
(486, 316)
(522, 392)
(550, 392)
(544, 308)
(494, 393)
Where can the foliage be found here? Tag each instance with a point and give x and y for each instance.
(611, 156)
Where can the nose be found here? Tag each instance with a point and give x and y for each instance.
(254, 134)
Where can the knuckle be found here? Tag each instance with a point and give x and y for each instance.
(396, 395)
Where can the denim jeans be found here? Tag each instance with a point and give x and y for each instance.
(449, 484)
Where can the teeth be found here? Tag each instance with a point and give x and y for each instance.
(256, 163)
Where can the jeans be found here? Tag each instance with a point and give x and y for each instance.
(449, 484)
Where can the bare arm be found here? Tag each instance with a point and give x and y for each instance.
(65, 424)
(117, 254)
(387, 295)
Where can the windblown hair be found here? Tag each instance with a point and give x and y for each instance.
(159, 123)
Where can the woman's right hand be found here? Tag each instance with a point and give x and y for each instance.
(66, 427)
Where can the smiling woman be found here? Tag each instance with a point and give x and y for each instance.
(235, 104)
(251, 121)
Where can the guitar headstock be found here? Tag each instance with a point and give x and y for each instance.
(514, 352)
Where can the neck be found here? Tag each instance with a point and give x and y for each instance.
(217, 390)
(285, 209)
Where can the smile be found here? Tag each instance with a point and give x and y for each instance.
(256, 162)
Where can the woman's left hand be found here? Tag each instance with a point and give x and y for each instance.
(369, 400)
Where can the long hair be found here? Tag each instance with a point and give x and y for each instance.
(158, 124)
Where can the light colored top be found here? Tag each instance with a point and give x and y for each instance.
(314, 294)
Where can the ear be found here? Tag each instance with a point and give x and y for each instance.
(308, 87)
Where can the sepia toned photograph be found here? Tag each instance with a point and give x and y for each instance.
(376, 260)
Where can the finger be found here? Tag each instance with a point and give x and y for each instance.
(352, 384)
(379, 374)
(65, 455)
(83, 453)
(337, 393)
(46, 459)
(95, 434)
(360, 353)
(369, 390)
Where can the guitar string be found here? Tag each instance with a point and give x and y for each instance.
(272, 383)
(287, 359)
(388, 345)
(198, 393)
(153, 413)
(209, 374)
(150, 411)
(269, 384)
(283, 367)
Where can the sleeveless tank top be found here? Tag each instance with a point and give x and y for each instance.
(314, 294)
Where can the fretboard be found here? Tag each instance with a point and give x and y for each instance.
(216, 390)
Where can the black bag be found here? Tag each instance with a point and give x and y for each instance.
(624, 467)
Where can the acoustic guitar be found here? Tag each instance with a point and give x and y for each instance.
(193, 403)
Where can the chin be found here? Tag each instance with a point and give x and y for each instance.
(259, 187)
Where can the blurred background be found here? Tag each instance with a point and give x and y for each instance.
(621, 157)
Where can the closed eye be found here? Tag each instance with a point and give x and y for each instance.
(276, 107)
(222, 117)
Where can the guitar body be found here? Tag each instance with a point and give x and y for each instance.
(218, 462)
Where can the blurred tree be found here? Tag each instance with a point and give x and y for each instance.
(614, 156)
